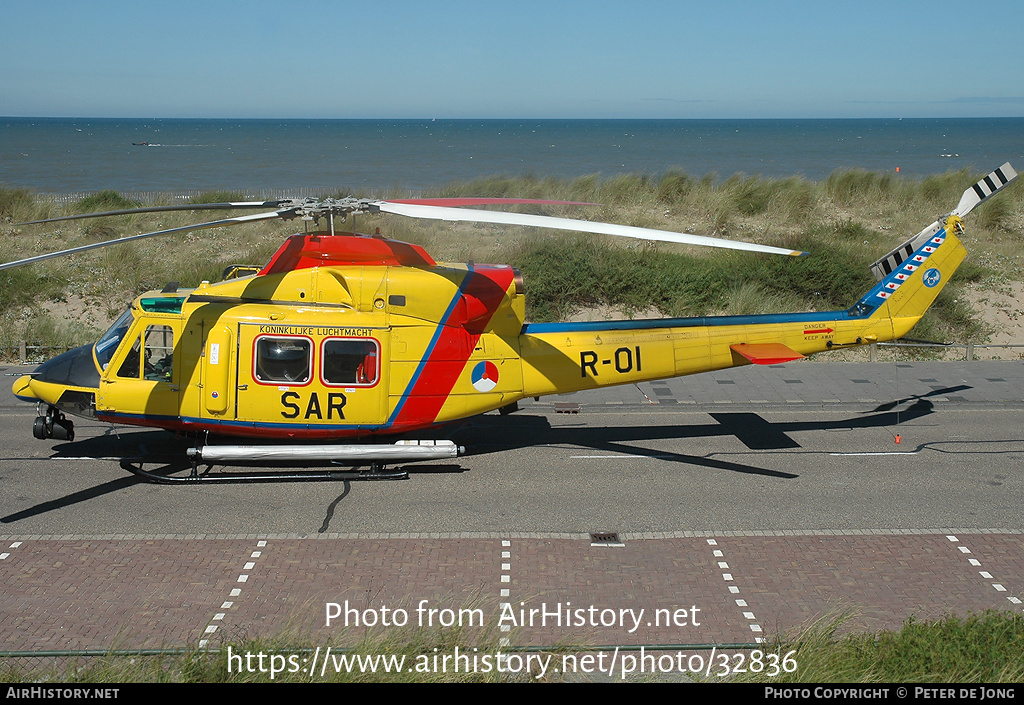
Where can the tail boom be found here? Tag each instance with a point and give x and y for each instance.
(565, 357)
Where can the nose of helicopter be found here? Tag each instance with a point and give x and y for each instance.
(50, 380)
(22, 388)
(67, 383)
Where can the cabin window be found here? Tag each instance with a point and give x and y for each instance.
(283, 360)
(353, 362)
(156, 362)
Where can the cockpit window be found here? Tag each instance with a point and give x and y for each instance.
(107, 345)
(129, 368)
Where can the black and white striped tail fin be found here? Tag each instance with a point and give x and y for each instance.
(981, 191)
(985, 189)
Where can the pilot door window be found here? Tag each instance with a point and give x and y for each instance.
(348, 362)
(151, 357)
(283, 360)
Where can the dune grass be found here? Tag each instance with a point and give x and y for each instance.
(846, 221)
(978, 648)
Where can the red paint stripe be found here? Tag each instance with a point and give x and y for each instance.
(454, 346)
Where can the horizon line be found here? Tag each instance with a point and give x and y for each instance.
(450, 119)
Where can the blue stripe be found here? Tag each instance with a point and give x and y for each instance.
(815, 316)
(430, 347)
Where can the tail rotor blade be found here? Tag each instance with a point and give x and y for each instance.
(981, 191)
(985, 189)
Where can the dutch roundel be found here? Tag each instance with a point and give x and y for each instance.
(485, 376)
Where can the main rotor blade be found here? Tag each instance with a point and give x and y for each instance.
(454, 202)
(184, 229)
(157, 209)
(544, 221)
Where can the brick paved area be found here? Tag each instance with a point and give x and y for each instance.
(136, 592)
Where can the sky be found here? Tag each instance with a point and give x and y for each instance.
(511, 59)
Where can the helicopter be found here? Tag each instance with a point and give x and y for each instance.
(343, 340)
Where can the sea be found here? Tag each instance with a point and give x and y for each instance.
(384, 157)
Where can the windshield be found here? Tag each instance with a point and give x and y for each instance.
(106, 345)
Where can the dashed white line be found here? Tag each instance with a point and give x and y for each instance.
(504, 592)
(6, 554)
(740, 602)
(987, 575)
(235, 592)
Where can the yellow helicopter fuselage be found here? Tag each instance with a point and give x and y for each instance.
(345, 336)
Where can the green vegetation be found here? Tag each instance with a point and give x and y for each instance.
(104, 201)
(979, 648)
(14, 201)
(846, 222)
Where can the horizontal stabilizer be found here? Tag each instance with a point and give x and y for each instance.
(766, 353)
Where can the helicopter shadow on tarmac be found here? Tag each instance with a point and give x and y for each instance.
(757, 433)
(516, 431)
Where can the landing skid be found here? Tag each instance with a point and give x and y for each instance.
(375, 471)
(373, 457)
